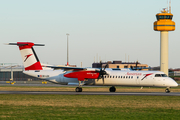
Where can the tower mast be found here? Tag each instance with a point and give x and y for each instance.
(164, 24)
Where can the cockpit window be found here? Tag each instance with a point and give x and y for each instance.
(160, 75)
(163, 75)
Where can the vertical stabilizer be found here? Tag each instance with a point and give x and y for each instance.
(29, 57)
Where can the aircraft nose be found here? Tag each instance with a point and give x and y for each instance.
(174, 84)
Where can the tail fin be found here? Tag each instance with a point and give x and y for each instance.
(29, 57)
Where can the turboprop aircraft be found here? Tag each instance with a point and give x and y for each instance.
(90, 76)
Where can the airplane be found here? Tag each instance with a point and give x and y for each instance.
(103, 76)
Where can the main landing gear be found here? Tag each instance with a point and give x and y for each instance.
(79, 89)
(112, 89)
(167, 90)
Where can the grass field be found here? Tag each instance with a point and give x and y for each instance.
(93, 107)
(87, 107)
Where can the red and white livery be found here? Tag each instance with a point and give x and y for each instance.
(90, 76)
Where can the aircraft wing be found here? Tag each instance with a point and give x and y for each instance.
(66, 68)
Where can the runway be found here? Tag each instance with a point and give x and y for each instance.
(91, 93)
(38, 84)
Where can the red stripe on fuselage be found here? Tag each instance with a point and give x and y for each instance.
(82, 75)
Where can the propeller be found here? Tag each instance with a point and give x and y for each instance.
(139, 68)
(136, 65)
(102, 72)
(135, 68)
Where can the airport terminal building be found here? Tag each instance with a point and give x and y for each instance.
(120, 64)
(15, 72)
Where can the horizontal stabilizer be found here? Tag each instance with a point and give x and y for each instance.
(24, 43)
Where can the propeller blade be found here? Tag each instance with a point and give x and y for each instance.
(103, 80)
(106, 66)
(102, 71)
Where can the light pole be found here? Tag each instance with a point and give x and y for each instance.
(67, 50)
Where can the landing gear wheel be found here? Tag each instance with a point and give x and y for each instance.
(167, 90)
(112, 89)
(78, 89)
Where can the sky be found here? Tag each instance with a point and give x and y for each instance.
(104, 30)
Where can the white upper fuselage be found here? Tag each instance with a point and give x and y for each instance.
(113, 78)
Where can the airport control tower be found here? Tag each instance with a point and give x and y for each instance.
(164, 24)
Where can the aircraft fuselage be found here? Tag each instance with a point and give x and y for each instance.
(114, 78)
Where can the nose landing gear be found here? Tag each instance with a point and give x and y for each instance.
(167, 90)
